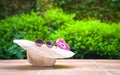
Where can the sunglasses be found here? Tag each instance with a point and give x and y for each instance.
(39, 42)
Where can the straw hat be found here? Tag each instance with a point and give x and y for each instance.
(43, 54)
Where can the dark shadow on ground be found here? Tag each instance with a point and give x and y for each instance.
(30, 67)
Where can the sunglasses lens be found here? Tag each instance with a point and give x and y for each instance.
(49, 44)
(39, 42)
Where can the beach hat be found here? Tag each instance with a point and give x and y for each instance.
(43, 55)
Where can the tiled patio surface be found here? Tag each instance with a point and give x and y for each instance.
(62, 67)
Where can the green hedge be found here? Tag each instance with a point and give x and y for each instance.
(26, 26)
(104, 10)
(87, 38)
(91, 39)
(30, 27)
(55, 18)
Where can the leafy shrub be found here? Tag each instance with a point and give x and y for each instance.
(91, 39)
(26, 26)
(30, 27)
(55, 18)
(87, 38)
(9, 8)
(107, 10)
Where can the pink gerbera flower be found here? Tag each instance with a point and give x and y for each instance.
(62, 44)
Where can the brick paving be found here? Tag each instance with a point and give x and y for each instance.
(62, 67)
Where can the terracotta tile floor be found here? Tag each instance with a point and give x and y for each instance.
(62, 67)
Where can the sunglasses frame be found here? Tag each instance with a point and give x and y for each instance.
(39, 45)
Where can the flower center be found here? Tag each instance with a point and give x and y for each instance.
(62, 45)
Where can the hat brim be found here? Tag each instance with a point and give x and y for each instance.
(54, 52)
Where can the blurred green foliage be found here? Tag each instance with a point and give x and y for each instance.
(104, 10)
(91, 38)
(14, 7)
(55, 18)
(25, 26)
(87, 38)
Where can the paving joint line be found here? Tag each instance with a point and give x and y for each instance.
(101, 67)
(38, 73)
